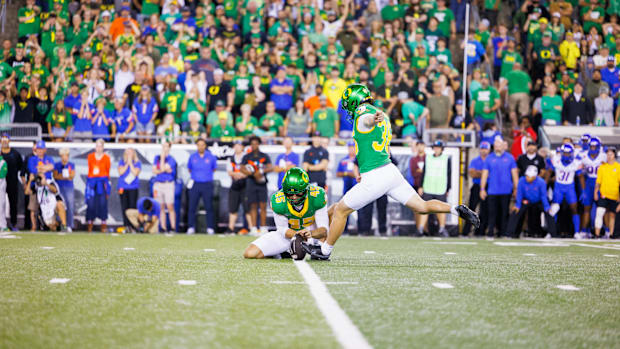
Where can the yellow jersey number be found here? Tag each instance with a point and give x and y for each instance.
(296, 224)
(386, 137)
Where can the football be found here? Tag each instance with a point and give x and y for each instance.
(297, 252)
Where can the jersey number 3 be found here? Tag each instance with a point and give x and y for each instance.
(386, 137)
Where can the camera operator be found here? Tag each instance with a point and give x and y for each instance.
(51, 204)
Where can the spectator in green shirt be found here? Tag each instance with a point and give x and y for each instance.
(28, 17)
(213, 116)
(59, 122)
(484, 102)
(246, 123)
(173, 101)
(222, 129)
(445, 17)
(325, 120)
(551, 106)
(272, 122)
(413, 113)
(518, 83)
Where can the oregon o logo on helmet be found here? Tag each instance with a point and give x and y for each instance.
(347, 93)
(304, 176)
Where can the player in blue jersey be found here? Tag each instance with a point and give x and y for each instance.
(566, 167)
(591, 159)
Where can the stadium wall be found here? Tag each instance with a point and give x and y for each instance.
(222, 150)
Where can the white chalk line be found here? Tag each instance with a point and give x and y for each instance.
(611, 255)
(347, 334)
(529, 254)
(451, 242)
(59, 281)
(47, 248)
(449, 253)
(568, 287)
(370, 252)
(530, 244)
(442, 285)
(596, 246)
(209, 250)
(129, 249)
(187, 282)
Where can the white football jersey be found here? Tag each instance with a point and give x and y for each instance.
(590, 166)
(565, 174)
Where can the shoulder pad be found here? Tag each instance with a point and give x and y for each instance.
(318, 199)
(278, 203)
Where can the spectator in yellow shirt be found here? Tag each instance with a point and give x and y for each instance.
(334, 87)
(569, 51)
(608, 182)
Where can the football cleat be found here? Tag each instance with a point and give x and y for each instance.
(468, 215)
(315, 252)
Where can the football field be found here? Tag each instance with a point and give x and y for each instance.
(140, 291)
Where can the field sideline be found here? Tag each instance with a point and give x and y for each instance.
(124, 291)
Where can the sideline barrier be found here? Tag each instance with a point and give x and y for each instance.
(147, 152)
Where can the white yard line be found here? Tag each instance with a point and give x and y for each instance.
(345, 331)
(568, 287)
(59, 281)
(596, 246)
(442, 285)
(451, 242)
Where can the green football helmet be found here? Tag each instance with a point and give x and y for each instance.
(295, 182)
(353, 96)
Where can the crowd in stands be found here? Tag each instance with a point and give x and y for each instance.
(181, 70)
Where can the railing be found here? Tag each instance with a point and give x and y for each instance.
(266, 140)
(451, 137)
(22, 132)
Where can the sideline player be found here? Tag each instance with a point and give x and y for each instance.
(592, 159)
(566, 167)
(299, 208)
(372, 134)
(607, 182)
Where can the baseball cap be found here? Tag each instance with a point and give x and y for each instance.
(459, 102)
(317, 133)
(532, 143)
(322, 98)
(218, 71)
(219, 103)
(6, 135)
(531, 171)
(543, 20)
(125, 8)
(547, 34)
(19, 45)
(557, 14)
(419, 31)
(185, 9)
(41, 144)
(611, 59)
(485, 145)
(105, 13)
(438, 143)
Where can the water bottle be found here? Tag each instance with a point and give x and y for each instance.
(578, 120)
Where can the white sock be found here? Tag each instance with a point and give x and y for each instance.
(326, 248)
(453, 210)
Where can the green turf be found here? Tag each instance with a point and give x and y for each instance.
(119, 298)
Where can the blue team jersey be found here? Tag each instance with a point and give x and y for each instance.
(499, 181)
(201, 167)
(282, 161)
(478, 165)
(166, 176)
(347, 164)
(59, 167)
(122, 179)
(35, 161)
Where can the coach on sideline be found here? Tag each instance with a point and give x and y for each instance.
(531, 198)
(201, 165)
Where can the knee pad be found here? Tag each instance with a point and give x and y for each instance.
(598, 221)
